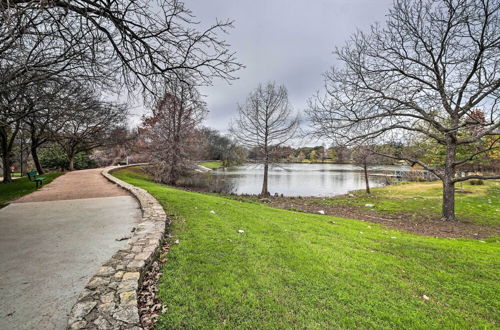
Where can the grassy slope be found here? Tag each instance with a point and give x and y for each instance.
(21, 187)
(212, 164)
(481, 205)
(296, 270)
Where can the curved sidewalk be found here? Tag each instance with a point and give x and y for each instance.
(53, 241)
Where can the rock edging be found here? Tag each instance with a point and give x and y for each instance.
(109, 300)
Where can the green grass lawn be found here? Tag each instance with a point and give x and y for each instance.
(21, 187)
(214, 164)
(481, 204)
(299, 270)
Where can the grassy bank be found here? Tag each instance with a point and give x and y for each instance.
(477, 204)
(214, 164)
(298, 270)
(21, 187)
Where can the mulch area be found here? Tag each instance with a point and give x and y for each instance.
(415, 223)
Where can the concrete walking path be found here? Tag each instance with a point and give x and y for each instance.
(52, 242)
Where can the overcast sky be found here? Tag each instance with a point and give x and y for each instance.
(290, 42)
(287, 41)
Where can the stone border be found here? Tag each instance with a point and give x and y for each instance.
(109, 300)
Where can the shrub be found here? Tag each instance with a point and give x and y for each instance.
(55, 159)
(476, 182)
(210, 183)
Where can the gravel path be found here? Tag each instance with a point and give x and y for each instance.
(52, 242)
(75, 185)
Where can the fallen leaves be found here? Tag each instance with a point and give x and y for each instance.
(150, 306)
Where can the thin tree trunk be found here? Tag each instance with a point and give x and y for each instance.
(448, 211)
(34, 155)
(365, 168)
(265, 191)
(71, 164)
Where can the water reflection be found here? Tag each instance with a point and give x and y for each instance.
(303, 179)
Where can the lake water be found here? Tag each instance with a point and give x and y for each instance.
(304, 179)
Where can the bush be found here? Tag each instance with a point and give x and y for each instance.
(477, 182)
(205, 182)
(55, 159)
(416, 176)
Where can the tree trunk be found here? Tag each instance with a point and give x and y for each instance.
(6, 158)
(265, 191)
(448, 211)
(365, 168)
(173, 174)
(6, 163)
(34, 155)
(175, 162)
(71, 164)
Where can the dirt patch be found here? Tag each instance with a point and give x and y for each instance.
(415, 223)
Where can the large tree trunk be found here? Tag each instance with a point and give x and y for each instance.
(6, 163)
(173, 173)
(34, 155)
(6, 147)
(175, 162)
(365, 168)
(448, 211)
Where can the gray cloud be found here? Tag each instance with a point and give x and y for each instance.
(286, 41)
(290, 42)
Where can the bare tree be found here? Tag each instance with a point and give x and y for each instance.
(144, 41)
(13, 108)
(421, 74)
(172, 130)
(48, 99)
(136, 43)
(87, 123)
(265, 123)
(119, 147)
(29, 59)
(364, 157)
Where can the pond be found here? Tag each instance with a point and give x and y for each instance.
(292, 179)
